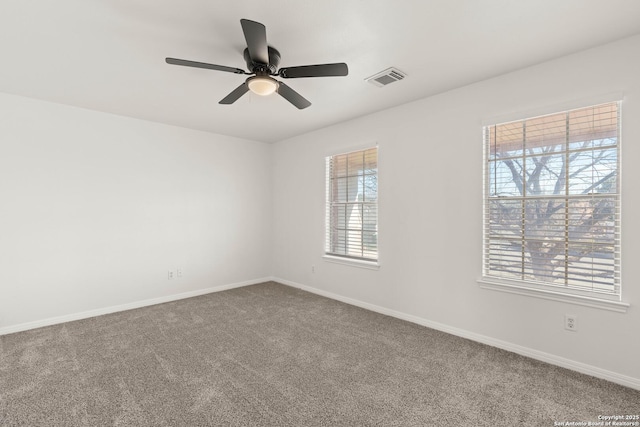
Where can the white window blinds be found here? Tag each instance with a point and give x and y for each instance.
(352, 205)
(552, 200)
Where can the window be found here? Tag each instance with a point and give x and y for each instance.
(552, 202)
(352, 205)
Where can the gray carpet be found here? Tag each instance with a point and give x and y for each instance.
(271, 355)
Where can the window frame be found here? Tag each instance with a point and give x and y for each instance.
(333, 256)
(612, 300)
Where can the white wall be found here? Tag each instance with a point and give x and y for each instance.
(96, 208)
(430, 221)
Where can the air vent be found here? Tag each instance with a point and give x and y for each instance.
(386, 77)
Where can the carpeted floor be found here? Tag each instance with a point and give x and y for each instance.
(271, 355)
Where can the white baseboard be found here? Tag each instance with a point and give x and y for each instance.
(583, 368)
(123, 307)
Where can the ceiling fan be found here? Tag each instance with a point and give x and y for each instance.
(262, 61)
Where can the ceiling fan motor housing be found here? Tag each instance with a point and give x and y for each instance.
(258, 68)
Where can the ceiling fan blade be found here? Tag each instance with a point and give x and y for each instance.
(320, 70)
(256, 36)
(195, 64)
(292, 96)
(235, 94)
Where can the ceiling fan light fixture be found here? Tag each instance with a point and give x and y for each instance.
(262, 85)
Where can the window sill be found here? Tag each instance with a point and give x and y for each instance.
(523, 289)
(369, 265)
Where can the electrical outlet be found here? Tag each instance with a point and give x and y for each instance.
(179, 272)
(171, 274)
(313, 268)
(571, 322)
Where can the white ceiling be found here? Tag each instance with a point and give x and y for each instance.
(108, 55)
